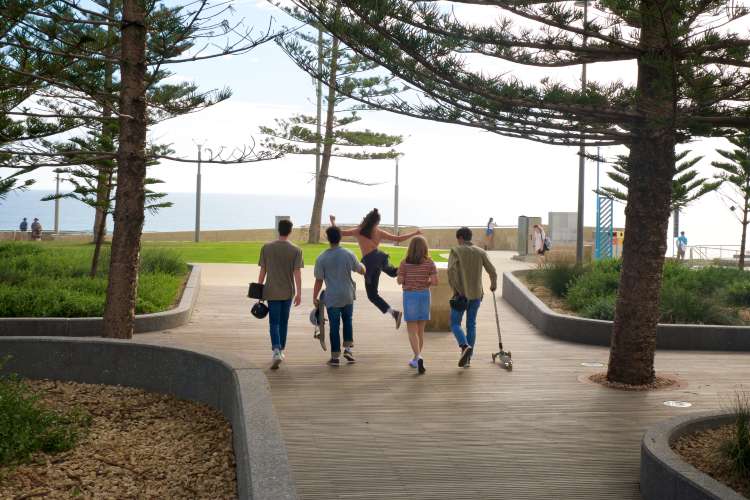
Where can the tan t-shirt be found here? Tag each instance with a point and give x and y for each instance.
(280, 259)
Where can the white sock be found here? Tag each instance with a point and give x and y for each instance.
(389, 311)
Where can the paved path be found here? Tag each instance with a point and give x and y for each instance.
(376, 430)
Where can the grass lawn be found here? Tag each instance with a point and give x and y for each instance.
(51, 280)
(248, 252)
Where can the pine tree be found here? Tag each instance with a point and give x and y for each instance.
(736, 173)
(690, 58)
(342, 68)
(687, 186)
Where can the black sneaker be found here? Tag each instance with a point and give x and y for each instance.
(397, 315)
(349, 355)
(420, 366)
(334, 362)
(465, 356)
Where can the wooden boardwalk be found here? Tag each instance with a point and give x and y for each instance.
(376, 430)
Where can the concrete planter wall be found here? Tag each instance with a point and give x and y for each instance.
(665, 476)
(238, 390)
(93, 327)
(598, 332)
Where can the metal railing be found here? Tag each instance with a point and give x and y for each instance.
(721, 253)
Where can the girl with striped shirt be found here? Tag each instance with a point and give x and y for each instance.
(416, 274)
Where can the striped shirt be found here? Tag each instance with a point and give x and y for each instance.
(416, 277)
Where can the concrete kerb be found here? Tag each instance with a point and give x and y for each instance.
(93, 327)
(237, 389)
(598, 332)
(665, 476)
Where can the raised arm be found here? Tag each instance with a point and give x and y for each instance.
(385, 235)
(344, 232)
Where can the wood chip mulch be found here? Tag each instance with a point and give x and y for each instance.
(702, 451)
(139, 445)
(660, 382)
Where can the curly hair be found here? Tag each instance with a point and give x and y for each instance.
(371, 220)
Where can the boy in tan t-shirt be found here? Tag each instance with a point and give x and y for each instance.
(280, 263)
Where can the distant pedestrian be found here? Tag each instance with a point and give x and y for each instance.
(538, 238)
(416, 274)
(36, 230)
(280, 264)
(334, 267)
(24, 226)
(489, 234)
(465, 265)
(369, 235)
(682, 243)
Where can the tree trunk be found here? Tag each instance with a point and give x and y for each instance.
(652, 164)
(322, 178)
(106, 168)
(119, 312)
(744, 232)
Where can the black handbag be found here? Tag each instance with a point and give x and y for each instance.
(459, 302)
(255, 291)
(259, 310)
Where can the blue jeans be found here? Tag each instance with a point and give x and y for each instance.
(278, 319)
(470, 337)
(336, 316)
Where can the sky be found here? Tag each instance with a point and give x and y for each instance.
(481, 173)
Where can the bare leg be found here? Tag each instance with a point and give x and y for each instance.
(412, 327)
(420, 335)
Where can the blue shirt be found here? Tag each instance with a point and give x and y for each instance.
(335, 267)
(682, 241)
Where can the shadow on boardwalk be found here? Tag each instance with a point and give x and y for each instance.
(376, 430)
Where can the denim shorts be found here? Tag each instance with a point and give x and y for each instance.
(416, 305)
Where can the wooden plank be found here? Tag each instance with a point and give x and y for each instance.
(377, 430)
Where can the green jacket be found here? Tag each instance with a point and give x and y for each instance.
(465, 270)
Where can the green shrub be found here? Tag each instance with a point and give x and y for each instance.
(53, 280)
(599, 280)
(26, 426)
(737, 449)
(162, 260)
(559, 277)
(601, 308)
(683, 305)
(738, 293)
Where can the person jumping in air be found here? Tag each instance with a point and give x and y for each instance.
(416, 274)
(369, 235)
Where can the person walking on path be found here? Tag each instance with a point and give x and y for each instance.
(538, 238)
(489, 234)
(416, 274)
(369, 235)
(682, 243)
(334, 267)
(24, 226)
(36, 230)
(465, 265)
(280, 263)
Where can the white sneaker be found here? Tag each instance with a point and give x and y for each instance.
(413, 363)
(283, 356)
(276, 359)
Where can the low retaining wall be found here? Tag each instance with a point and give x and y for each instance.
(598, 332)
(238, 390)
(666, 476)
(93, 327)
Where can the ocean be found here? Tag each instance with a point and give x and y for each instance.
(237, 211)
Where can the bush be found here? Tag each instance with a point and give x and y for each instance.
(600, 308)
(684, 305)
(559, 277)
(737, 450)
(53, 281)
(600, 280)
(26, 426)
(738, 294)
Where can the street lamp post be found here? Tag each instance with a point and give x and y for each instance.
(395, 202)
(57, 204)
(198, 198)
(581, 158)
